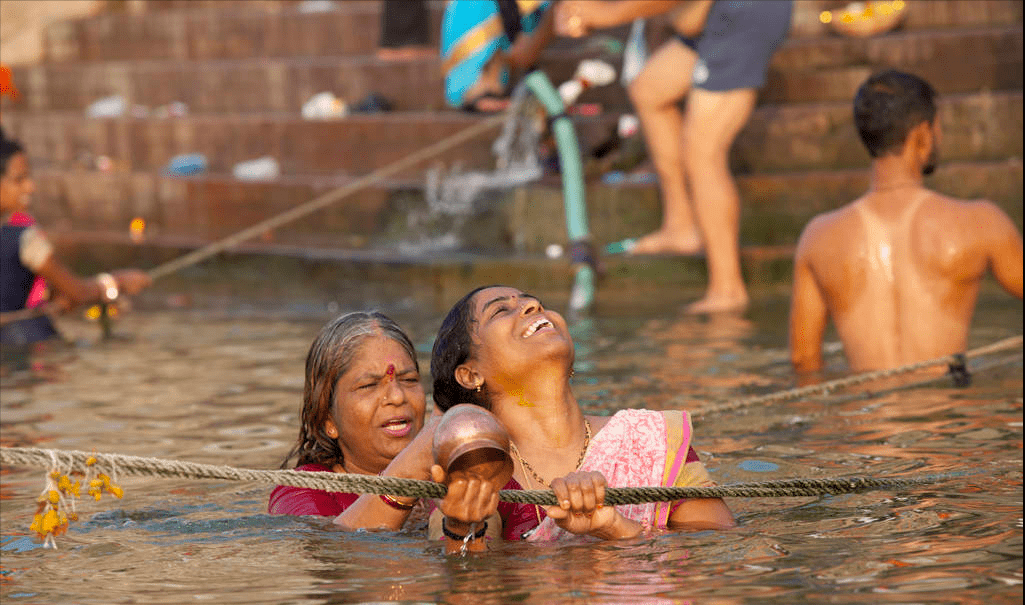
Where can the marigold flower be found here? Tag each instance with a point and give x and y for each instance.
(56, 503)
(49, 521)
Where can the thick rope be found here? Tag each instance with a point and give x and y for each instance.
(1014, 342)
(1007, 360)
(1014, 358)
(70, 460)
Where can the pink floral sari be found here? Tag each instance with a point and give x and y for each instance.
(637, 448)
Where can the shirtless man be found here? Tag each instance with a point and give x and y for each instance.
(898, 270)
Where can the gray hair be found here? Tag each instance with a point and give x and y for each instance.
(330, 357)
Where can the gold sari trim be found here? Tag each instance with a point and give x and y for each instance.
(472, 41)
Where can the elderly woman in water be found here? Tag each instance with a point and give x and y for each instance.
(363, 403)
(499, 348)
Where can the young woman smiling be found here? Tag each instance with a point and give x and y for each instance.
(499, 348)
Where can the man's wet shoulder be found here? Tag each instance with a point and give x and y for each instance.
(829, 224)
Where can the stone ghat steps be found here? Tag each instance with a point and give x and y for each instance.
(266, 273)
(953, 61)
(778, 138)
(229, 31)
(804, 70)
(216, 31)
(395, 215)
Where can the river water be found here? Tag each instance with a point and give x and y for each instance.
(224, 388)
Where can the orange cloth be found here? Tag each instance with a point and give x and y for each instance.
(7, 83)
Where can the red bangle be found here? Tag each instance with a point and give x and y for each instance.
(392, 502)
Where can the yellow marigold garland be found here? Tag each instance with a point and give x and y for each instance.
(56, 507)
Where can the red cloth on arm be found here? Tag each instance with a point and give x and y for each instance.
(518, 518)
(288, 500)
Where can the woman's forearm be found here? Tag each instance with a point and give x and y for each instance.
(701, 514)
(620, 529)
(370, 511)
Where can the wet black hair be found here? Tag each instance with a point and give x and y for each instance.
(8, 149)
(329, 358)
(888, 106)
(452, 347)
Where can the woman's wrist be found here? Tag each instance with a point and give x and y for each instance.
(620, 528)
(402, 505)
(450, 527)
(461, 531)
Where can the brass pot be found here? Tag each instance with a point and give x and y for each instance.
(471, 440)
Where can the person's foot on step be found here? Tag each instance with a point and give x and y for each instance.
(667, 242)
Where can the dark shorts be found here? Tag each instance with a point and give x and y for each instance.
(737, 43)
(405, 23)
(26, 331)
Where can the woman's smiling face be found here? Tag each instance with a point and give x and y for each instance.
(514, 333)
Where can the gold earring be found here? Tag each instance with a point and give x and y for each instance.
(479, 386)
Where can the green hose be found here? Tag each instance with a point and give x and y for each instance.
(581, 253)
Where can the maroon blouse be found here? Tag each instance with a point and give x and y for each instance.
(288, 500)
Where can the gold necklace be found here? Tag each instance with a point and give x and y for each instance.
(580, 460)
(537, 509)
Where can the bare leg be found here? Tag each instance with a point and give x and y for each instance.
(655, 92)
(712, 122)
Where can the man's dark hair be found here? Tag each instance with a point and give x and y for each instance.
(888, 106)
(8, 149)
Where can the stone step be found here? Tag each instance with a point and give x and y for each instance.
(982, 126)
(775, 207)
(231, 86)
(234, 5)
(225, 31)
(396, 215)
(778, 138)
(804, 70)
(975, 44)
(266, 274)
(212, 33)
(355, 145)
(919, 15)
(953, 61)
(805, 17)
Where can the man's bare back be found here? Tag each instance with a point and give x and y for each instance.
(899, 269)
(899, 272)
